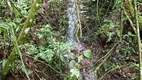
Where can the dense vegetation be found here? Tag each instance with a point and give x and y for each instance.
(33, 40)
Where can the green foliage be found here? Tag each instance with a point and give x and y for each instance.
(50, 50)
(23, 6)
(87, 53)
(126, 50)
(129, 46)
(80, 58)
(110, 30)
(2, 2)
(72, 64)
(6, 27)
(46, 40)
(2, 27)
(75, 72)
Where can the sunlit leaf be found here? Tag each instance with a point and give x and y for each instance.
(75, 72)
(80, 58)
(87, 53)
(72, 64)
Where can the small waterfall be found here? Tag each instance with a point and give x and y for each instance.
(72, 19)
(86, 74)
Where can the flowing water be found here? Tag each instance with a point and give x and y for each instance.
(86, 73)
(72, 19)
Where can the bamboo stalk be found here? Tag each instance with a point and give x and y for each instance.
(20, 54)
(131, 22)
(97, 13)
(138, 36)
(130, 8)
(121, 22)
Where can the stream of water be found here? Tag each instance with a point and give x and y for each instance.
(86, 73)
(72, 19)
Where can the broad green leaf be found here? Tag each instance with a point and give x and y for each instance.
(87, 53)
(72, 64)
(80, 58)
(74, 72)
